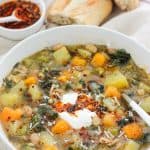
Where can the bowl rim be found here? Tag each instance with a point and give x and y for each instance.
(42, 7)
(4, 138)
(75, 26)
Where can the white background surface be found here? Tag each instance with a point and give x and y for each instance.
(135, 23)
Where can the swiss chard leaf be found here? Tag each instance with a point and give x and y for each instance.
(120, 57)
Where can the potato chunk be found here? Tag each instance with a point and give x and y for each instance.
(116, 79)
(62, 56)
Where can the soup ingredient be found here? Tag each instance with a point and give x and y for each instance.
(30, 80)
(131, 145)
(112, 92)
(11, 99)
(50, 147)
(35, 92)
(81, 118)
(70, 97)
(65, 76)
(110, 104)
(109, 120)
(120, 57)
(46, 138)
(25, 10)
(133, 131)
(91, 48)
(77, 61)
(35, 139)
(65, 56)
(60, 127)
(98, 60)
(116, 79)
(145, 104)
(95, 87)
(84, 53)
(8, 114)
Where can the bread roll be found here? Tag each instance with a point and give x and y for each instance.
(92, 12)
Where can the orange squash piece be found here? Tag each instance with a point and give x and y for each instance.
(98, 60)
(109, 120)
(77, 61)
(60, 127)
(112, 91)
(30, 80)
(50, 147)
(8, 114)
(133, 131)
(66, 75)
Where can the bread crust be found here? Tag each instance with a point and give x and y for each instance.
(92, 12)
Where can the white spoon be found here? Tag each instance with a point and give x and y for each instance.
(137, 109)
(11, 18)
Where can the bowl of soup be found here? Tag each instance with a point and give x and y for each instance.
(61, 89)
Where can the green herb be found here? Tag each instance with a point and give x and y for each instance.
(125, 121)
(47, 111)
(120, 57)
(145, 138)
(36, 123)
(68, 86)
(8, 83)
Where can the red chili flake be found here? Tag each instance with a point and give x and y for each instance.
(27, 11)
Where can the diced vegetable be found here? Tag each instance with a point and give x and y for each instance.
(112, 92)
(46, 138)
(65, 76)
(84, 53)
(8, 114)
(116, 79)
(60, 127)
(120, 57)
(19, 88)
(91, 48)
(109, 120)
(35, 92)
(13, 127)
(11, 99)
(144, 87)
(30, 80)
(27, 147)
(100, 70)
(110, 104)
(62, 56)
(131, 145)
(50, 147)
(145, 104)
(114, 131)
(77, 61)
(133, 131)
(98, 60)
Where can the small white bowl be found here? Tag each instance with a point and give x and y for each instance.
(19, 34)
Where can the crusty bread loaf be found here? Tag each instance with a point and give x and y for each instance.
(92, 12)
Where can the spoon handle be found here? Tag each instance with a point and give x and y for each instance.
(138, 109)
(8, 19)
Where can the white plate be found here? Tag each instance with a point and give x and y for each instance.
(76, 34)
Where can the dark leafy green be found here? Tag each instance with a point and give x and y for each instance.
(8, 83)
(125, 121)
(120, 57)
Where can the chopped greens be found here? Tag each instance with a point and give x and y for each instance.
(120, 57)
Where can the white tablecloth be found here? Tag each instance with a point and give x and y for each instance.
(135, 23)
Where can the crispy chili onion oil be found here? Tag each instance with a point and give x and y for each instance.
(27, 11)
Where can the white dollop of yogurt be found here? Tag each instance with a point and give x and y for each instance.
(81, 118)
(70, 97)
